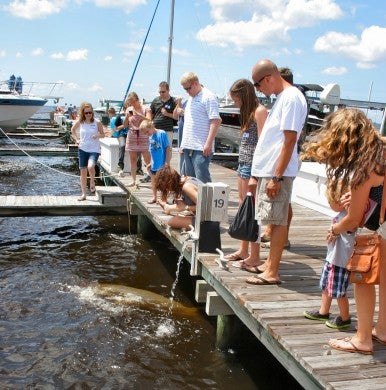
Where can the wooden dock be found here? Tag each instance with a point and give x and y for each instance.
(274, 314)
(107, 201)
(13, 150)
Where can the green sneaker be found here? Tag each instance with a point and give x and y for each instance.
(315, 315)
(338, 323)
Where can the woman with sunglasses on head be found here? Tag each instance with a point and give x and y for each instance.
(86, 132)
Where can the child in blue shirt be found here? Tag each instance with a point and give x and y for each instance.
(160, 151)
(117, 131)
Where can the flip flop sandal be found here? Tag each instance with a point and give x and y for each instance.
(254, 269)
(259, 281)
(233, 257)
(380, 341)
(351, 347)
(241, 264)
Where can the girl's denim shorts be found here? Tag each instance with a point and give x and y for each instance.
(244, 170)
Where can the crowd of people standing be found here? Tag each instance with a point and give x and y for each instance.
(268, 164)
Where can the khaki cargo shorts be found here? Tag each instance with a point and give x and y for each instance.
(273, 211)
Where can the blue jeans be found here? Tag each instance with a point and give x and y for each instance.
(196, 165)
(84, 158)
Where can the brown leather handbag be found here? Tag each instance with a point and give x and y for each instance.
(365, 262)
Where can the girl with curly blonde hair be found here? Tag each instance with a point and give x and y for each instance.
(354, 153)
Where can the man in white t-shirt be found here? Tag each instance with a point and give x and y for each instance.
(201, 123)
(275, 162)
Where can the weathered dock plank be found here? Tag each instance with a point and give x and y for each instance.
(49, 205)
(274, 314)
(13, 150)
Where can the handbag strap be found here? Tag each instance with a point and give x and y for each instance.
(383, 205)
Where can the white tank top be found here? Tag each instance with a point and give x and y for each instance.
(87, 142)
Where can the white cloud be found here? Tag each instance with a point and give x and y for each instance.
(3, 53)
(95, 88)
(37, 52)
(34, 9)
(77, 55)
(126, 5)
(72, 86)
(306, 13)
(263, 33)
(335, 71)
(108, 58)
(225, 10)
(367, 50)
(19, 54)
(261, 23)
(57, 56)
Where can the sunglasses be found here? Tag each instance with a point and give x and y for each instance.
(88, 113)
(257, 84)
(162, 91)
(188, 88)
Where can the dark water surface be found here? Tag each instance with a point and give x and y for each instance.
(57, 332)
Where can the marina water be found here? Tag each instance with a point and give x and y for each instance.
(59, 332)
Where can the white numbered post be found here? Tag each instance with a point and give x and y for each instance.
(212, 206)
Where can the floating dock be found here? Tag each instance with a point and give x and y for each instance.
(12, 150)
(106, 201)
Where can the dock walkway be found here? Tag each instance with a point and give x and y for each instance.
(274, 313)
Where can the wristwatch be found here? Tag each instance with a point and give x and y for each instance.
(187, 208)
(277, 179)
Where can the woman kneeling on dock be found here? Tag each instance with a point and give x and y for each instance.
(185, 191)
(86, 132)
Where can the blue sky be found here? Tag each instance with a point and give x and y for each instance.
(92, 45)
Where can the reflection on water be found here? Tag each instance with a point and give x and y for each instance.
(60, 329)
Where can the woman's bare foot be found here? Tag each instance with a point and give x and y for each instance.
(253, 262)
(244, 264)
(235, 256)
(82, 197)
(167, 209)
(152, 201)
(350, 344)
(377, 336)
(263, 266)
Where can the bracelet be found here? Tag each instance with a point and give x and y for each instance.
(187, 208)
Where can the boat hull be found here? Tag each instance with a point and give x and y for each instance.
(14, 111)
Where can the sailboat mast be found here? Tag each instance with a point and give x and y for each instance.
(170, 41)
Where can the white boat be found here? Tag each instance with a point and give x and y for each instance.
(16, 107)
